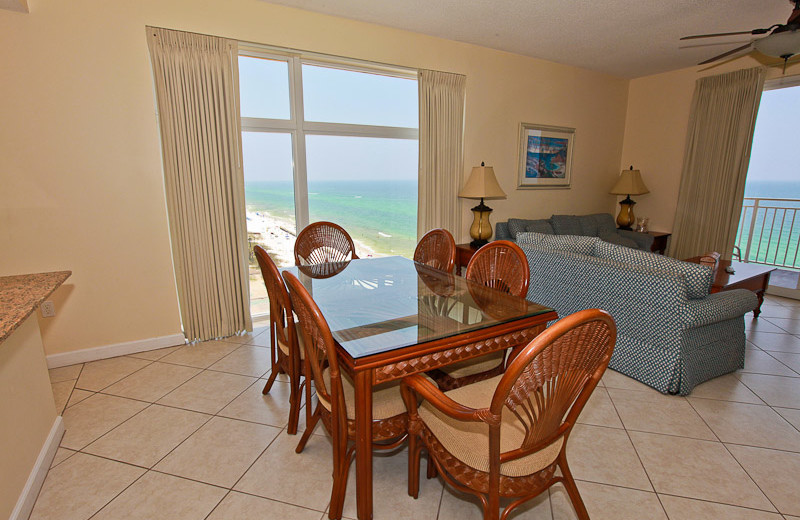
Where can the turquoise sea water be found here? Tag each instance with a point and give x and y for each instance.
(380, 213)
(776, 233)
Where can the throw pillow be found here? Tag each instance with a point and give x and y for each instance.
(698, 277)
(570, 243)
(588, 225)
(566, 224)
(520, 225)
(617, 239)
(539, 226)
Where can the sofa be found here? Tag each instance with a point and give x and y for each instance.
(600, 225)
(671, 333)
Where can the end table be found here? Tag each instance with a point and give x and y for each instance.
(464, 253)
(660, 239)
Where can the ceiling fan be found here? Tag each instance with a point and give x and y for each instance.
(782, 40)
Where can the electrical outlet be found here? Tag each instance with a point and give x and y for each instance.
(48, 309)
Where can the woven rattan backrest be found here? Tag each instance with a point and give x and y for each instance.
(322, 242)
(437, 249)
(320, 350)
(280, 307)
(546, 386)
(501, 265)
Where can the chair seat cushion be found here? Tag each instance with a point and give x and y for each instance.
(386, 399)
(300, 342)
(477, 365)
(469, 441)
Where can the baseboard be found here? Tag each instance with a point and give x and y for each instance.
(117, 349)
(30, 492)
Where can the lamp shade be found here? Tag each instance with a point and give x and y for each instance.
(780, 44)
(629, 183)
(482, 184)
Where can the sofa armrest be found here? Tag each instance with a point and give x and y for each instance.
(643, 240)
(720, 306)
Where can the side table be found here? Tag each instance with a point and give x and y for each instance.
(660, 239)
(464, 253)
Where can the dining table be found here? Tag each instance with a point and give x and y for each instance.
(392, 317)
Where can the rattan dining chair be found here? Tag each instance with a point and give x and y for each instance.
(437, 249)
(336, 396)
(285, 343)
(506, 436)
(323, 242)
(503, 266)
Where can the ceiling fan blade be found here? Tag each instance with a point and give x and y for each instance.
(724, 54)
(714, 35)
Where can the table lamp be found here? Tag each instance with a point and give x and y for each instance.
(629, 183)
(482, 184)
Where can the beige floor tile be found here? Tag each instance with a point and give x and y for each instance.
(252, 405)
(697, 469)
(155, 355)
(791, 415)
(756, 362)
(157, 496)
(200, 355)
(605, 455)
(614, 379)
(97, 415)
(789, 359)
(725, 388)
(776, 472)
(675, 415)
(762, 325)
(65, 373)
(62, 454)
(776, 342)
(99, 374)
(749, 424)
(389, 490)
(153, 381)
(61, 394)
(302, 479)
(219, 452)
(147, 437)
(80, 486)
(262, 340)
(77, 396)
(238, 506)
(679, 508)
(607, 503)
(246, 360)
(774, 390)
(778, 311)
(247, 337)
(463, 506)
(208, 392)
(791, 326)
(600, 411)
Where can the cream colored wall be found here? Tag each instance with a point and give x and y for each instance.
(81, 170)
(655, 132)
(27, 410)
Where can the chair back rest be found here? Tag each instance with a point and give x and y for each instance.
(320, 349)
(280, 306)
(501, 265)
(437, 249)
(323, 242)
(547, 385)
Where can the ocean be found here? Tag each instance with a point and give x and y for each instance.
(776, 230)
(773, 189)
(380, 213)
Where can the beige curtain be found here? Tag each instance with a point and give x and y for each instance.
(441, 162)
(718, 143)
(195, 80)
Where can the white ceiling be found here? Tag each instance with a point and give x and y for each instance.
(628, 38)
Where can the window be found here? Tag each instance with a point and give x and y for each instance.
(327, 141)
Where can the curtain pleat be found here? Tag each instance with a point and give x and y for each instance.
(441, 138)
(718, 144)
(201, 147)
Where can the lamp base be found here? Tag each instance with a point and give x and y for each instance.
(625, 219)
(481, 229)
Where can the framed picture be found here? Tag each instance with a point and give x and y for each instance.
(545, 156)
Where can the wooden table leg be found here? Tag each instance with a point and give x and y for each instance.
(363, 396)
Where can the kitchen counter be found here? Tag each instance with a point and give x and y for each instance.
(20, 295)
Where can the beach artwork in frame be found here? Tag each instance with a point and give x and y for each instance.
(545, 156)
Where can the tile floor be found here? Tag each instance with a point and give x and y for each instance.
(184, 433)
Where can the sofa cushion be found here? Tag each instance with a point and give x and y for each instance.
(570, 243)
(519, 225)
(588, 225)
(698, 277)
(606, 225)
(566, 225)
(623, 241)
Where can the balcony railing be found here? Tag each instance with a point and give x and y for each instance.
(769, 232)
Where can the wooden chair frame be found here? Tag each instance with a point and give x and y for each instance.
(437, 249)
(323, 242)
(282, 326)
(532, 376)
(320, 354)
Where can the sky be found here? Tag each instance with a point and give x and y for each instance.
(329, 95)
(777, 137)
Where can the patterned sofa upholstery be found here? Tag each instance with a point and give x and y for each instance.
(600, 225)
(671, 333)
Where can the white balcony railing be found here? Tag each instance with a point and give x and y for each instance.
(769, 232)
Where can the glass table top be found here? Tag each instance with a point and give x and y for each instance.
(379, 304)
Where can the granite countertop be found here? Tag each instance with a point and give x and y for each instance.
(20, 295)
